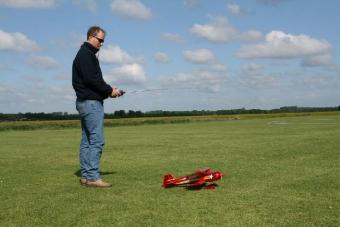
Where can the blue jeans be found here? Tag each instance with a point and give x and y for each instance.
(92, 140)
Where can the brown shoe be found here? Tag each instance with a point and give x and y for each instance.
(98, 183)
(82, 181)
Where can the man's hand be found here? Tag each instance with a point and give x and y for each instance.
(115, 93)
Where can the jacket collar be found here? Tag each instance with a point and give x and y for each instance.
(90, 47)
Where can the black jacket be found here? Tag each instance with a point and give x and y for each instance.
(87, 78)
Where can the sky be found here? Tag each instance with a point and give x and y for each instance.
(173, 55)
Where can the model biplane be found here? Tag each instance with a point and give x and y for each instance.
(201, 178)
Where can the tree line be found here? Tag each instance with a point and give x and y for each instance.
(160, 113)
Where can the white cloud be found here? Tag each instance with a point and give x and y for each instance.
(132, 9)
(253, 76)
(236, 10)
(221, 31)
(285, 46)
(218, 67)
(126, 74)
(161, 57)
(204, 80)
(318, 60)
(251, 68)
(115, 55)
(27, 97)
(316, 81)
(45, 62)
(90, 5)
(191, 3)
(172, 37)
(200, 56)
(252, 36)
(16, 41)
(271, 2)
(28, 3)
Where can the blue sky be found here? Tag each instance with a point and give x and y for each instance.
(192, 54)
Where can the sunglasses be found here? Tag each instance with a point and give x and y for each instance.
(99, 39)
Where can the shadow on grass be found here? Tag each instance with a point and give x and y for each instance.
(77, 173)
(198, 187)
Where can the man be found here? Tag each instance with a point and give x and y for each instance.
(91, 90)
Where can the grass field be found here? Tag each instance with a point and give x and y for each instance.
(279, 172)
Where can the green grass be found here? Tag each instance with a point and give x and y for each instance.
(279, 172)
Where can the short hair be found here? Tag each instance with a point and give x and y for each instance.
(93, 31)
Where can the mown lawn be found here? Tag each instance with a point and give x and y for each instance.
(279, 172)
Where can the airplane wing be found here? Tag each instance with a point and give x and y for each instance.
(199, 182)
(203, 172)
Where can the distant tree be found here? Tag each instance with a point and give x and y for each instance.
(119, 113)
(139, 113)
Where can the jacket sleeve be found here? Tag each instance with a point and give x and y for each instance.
(92, 75)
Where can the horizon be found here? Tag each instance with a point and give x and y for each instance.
(194, 54)
(178, 111)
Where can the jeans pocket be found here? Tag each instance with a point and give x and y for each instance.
(90, 107)
(80, 106)
(95, 106)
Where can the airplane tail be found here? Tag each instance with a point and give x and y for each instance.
(168, 180)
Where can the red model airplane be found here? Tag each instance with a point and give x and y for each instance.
(198, 179)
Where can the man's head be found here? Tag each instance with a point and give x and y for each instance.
(96, 36)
